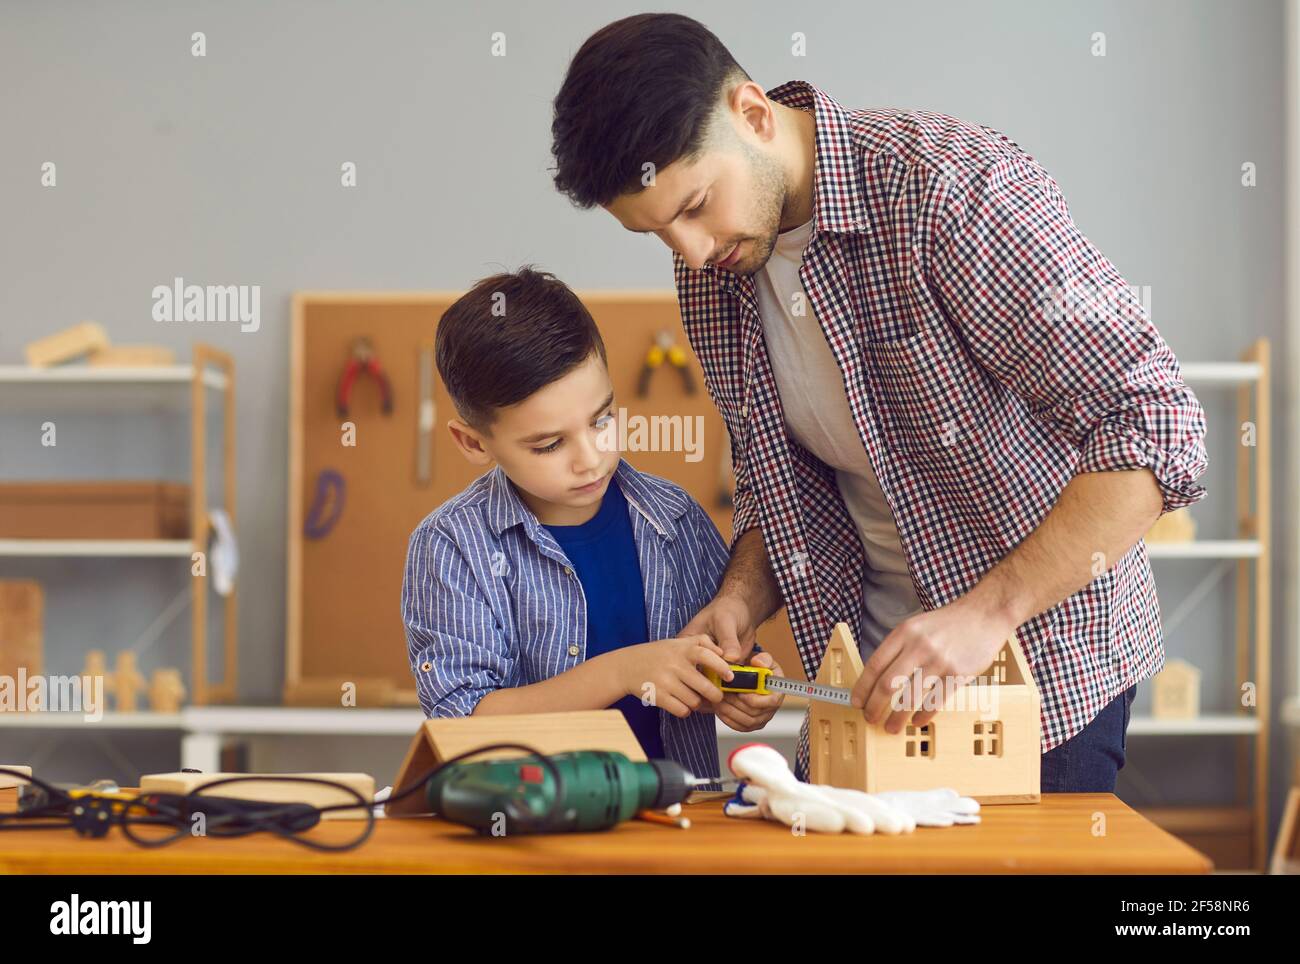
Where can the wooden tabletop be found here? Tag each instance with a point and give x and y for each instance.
(1060, 835)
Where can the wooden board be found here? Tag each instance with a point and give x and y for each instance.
(9, 781)
(344, 617)
(272, 790)
(22, 627)
(65, 345)
(108, 509)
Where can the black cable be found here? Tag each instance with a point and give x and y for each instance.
(93, 815)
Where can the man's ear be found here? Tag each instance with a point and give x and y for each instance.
(749, 103)
(469, 441)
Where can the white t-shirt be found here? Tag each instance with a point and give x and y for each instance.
(817, 416)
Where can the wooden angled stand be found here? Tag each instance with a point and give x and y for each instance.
(441, 739)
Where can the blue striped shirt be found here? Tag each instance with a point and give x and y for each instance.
(490, 599)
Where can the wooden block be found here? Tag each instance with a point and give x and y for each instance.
(125, 683)
(272, 791)
(442, 739)
(1176, 526)
(132, 356)
(166, 690)
(82, 339)
(22, 612)
(9, 781)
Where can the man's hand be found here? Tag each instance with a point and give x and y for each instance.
(745, 712)
(666, 673)
(728, 620)
(925, 658)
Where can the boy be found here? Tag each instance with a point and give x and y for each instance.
(559, 579)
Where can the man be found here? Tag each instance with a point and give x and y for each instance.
(950, 419)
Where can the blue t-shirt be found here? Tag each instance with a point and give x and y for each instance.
(603, 553)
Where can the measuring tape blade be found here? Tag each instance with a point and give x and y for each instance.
(811, 691)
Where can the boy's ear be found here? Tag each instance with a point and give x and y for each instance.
(469, 441)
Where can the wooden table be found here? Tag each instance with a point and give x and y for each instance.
(1055, 836)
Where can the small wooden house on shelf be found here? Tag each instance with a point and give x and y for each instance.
(1176, 691)
(983, 742)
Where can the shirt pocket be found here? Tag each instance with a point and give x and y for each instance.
(882, 303)
(912, 394)
(884, 324)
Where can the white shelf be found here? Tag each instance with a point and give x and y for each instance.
(342, 720)
(1226, 724)
(1221, 373)
(60, 548)
(238, 720)
(40, 720)
(66, 388)
(1205, 549)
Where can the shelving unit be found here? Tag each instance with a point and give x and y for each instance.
(166, 388)
(1243, 824)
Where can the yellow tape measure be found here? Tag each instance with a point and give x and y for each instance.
(761, 681)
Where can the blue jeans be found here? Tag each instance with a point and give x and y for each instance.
(1090, 760)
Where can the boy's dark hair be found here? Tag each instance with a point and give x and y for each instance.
(509, 336)
(640, 90)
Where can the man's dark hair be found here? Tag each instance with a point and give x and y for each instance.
(509, 336)
(640, 90)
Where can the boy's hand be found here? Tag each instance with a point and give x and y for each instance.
(745, 712)
(666, 673)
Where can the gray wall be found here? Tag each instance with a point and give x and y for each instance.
(225, 170)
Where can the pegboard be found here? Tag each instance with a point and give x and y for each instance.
(344, 590)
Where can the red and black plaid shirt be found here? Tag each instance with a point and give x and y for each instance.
(990, 352)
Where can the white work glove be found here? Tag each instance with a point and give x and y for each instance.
(934, 808)
(771, 791)
(223, 557)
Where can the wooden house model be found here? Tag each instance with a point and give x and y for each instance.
(1176, 691)
(983, 742)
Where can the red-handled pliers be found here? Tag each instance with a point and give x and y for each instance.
(363, 360)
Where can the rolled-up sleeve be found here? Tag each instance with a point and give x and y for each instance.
(1054, 321)
(457, 651)
(744, 513)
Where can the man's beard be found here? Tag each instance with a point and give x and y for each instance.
(769, 191)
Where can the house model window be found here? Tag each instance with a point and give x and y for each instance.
(920, 740)
(992, 728)
(998, 671)
(988, 737)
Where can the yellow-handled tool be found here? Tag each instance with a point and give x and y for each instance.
(761, 681)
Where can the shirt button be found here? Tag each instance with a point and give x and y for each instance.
(574, 651)
(568, 571)
(426, 666)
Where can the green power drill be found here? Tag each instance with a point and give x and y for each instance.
(595, 790)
